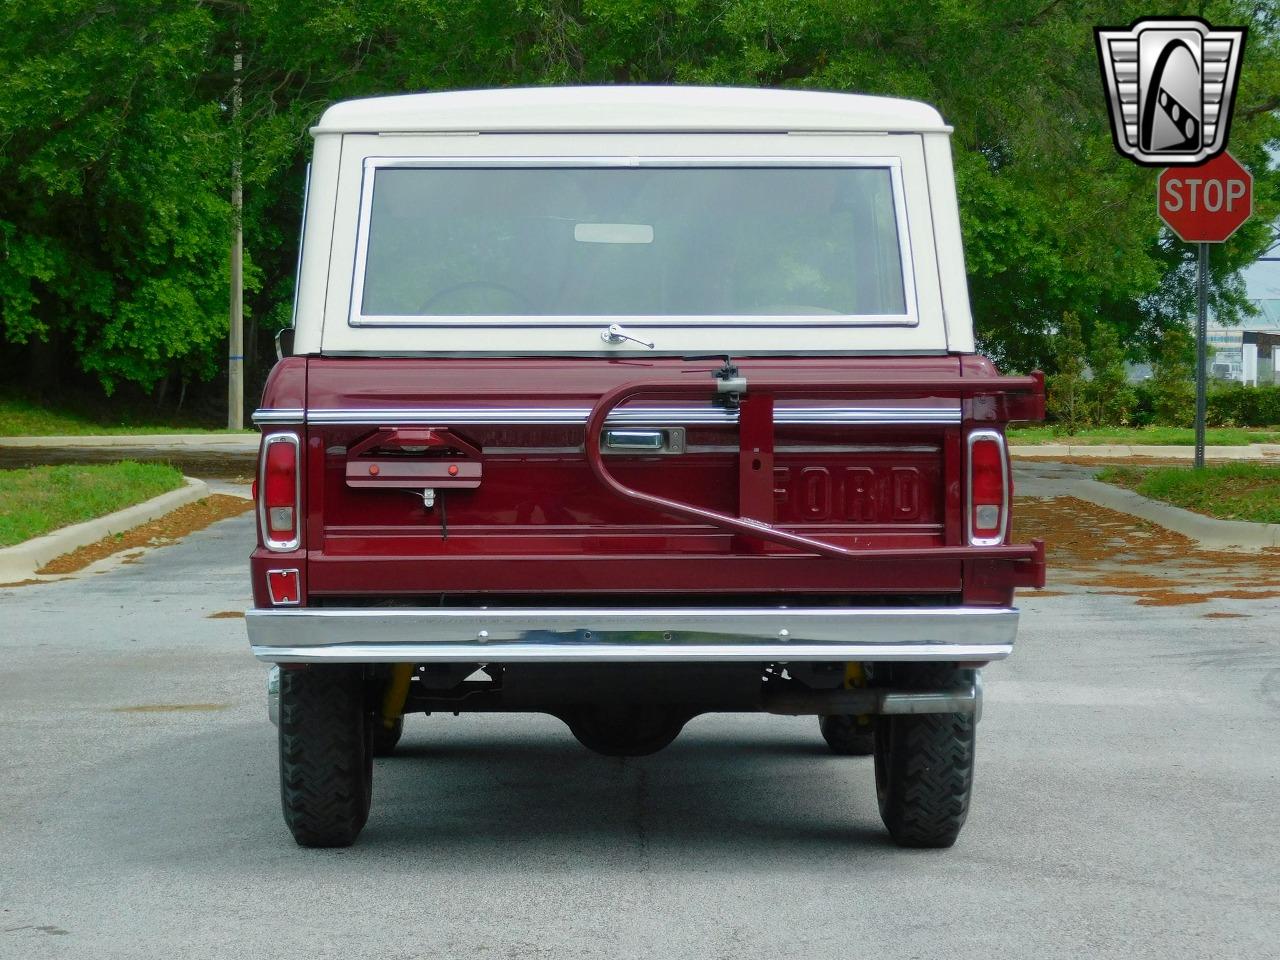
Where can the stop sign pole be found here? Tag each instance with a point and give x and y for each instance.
(1204, 204)
(1202, 348)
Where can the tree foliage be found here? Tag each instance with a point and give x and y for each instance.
(1066, 387)
(1111, 397)
(1173, 397)
(118, 145)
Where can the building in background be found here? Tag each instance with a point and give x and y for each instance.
(1250, 352)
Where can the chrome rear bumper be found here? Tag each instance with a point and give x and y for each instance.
(619, 635)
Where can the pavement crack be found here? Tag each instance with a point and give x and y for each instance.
(45, 928)
(638, 811)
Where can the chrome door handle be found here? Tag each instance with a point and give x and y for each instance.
(670, 440)
(634, 439)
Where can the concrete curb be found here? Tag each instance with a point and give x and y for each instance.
(158, 441)
(1054, 451)
(22, 560)
(1209, 532)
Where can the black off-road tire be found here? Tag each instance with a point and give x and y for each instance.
(385, 738)
(626, 731)
(326, 754)
(924, 764)
(849, 735)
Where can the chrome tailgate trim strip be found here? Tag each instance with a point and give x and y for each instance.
(545, 416)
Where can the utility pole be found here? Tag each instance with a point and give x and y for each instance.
(1202, 335)
(235, 347)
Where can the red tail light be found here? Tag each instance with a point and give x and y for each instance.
(988, 501)
(278, 491)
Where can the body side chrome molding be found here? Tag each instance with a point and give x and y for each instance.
(570, 416)
(391, 635)
(279, 415)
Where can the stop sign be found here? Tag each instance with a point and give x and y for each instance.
(1205, 203)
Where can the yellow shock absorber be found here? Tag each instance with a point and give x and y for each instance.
(397, 693)
(854, 677)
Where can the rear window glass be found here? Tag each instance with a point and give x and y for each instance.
(643, 241)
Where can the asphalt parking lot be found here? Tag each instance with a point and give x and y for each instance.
(1126, 802)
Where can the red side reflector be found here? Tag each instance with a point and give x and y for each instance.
(282, 587)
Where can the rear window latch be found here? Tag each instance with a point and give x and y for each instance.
(614, 333)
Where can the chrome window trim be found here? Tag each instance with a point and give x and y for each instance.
(552, 416)
(974, 437)
(356, 318)
(390, 635)
(271, 543)
(302, 238)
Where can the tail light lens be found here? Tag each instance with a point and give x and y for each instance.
(278, 492)
(988, 501)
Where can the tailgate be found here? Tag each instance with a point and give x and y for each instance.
(832, 478)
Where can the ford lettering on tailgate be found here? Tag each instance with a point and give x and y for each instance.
(857, 493)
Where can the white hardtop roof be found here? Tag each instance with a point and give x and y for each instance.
(630, 109)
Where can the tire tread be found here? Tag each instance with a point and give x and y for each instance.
(924, 768)
(325, 755)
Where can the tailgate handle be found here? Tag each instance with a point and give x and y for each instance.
(414, 458)
(1031, 387)
(643, 441)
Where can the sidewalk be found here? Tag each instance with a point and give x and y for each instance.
(1058, 451)
(1048, 479)
(141, 441)
(225, 455)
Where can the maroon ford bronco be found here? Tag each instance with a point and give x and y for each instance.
(626, 405)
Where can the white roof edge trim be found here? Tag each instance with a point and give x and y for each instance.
(636, 109)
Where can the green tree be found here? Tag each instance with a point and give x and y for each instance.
(115, 171)
(113, 209)
(1067, 388)
(1111, 397)
(1173, 394)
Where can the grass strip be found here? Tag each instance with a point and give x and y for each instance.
(20, 417)
(1146, 436)
(36, 500)
(1230, 491)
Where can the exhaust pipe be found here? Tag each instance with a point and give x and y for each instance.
(879, 702)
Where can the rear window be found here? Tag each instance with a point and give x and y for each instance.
(659, 241)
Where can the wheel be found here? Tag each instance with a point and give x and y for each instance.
(626, 731)
(924, 763)
(849, 735)
(326, 754)
(385, 738)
